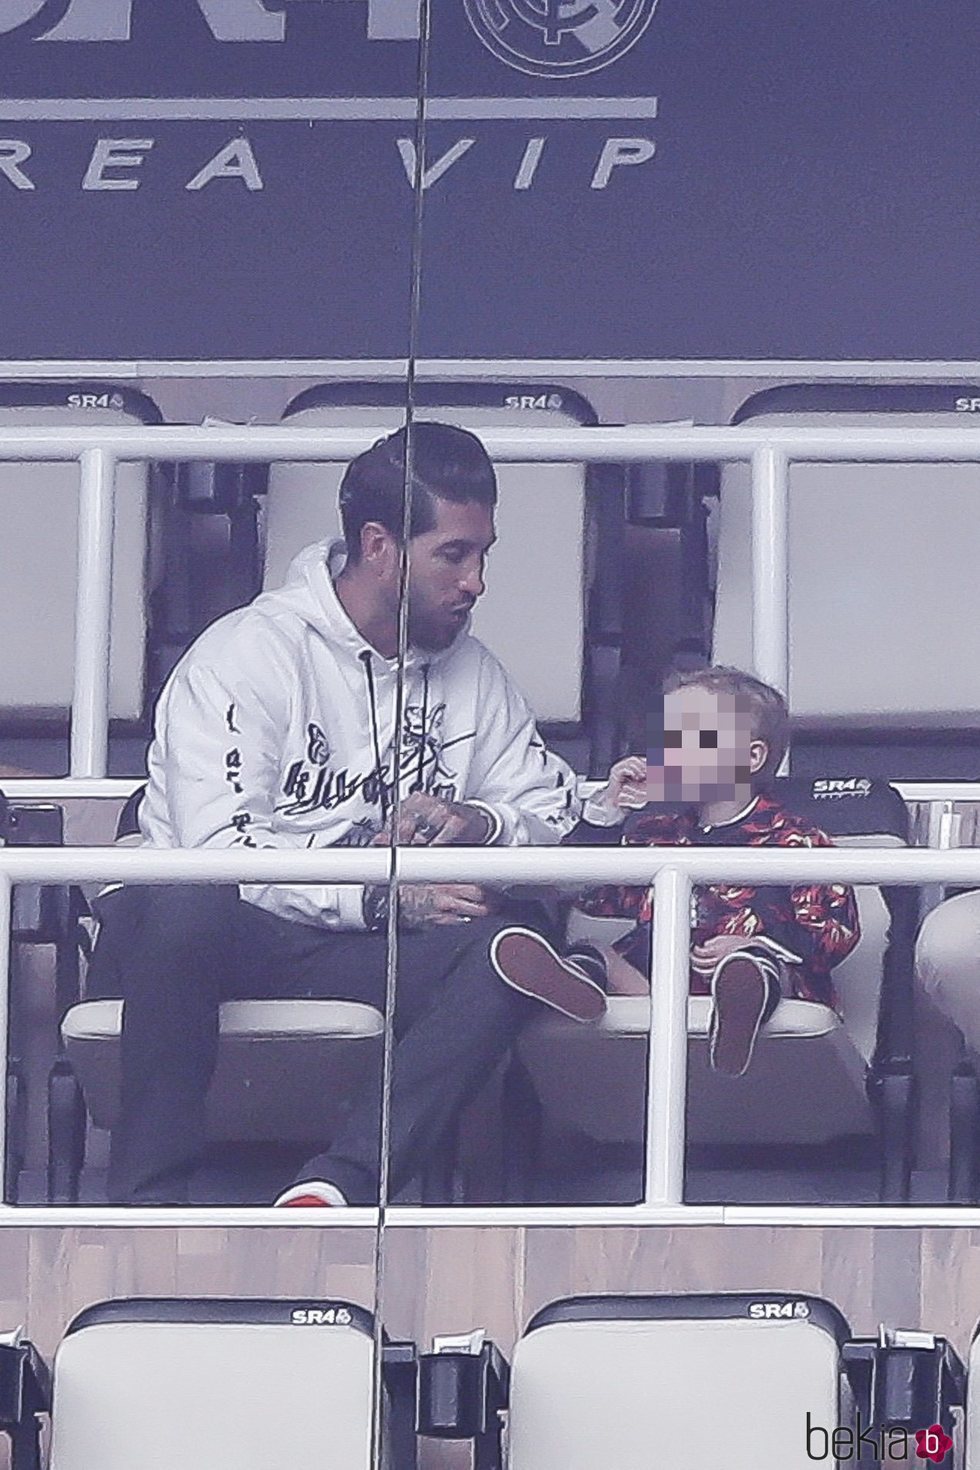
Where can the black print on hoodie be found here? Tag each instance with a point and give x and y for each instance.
(277, 730)
(310, 785)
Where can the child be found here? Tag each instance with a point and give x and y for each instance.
(723, 738)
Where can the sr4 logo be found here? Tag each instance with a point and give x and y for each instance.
(779, 1311)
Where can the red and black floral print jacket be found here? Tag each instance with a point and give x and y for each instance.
(817, 922)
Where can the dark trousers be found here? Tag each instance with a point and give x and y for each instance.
(174, 953)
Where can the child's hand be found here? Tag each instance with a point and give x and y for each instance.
(626, 788)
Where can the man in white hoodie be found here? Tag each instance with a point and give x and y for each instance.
(277, 729)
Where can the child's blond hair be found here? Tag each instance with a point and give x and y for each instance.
(767, 707)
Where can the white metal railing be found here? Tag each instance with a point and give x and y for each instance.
(671, 871)
(75, 788)
(770, 452)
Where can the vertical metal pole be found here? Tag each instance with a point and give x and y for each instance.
(770, 567)
(93, 609)
(667, 1057)
(6, 915)
(942, 835)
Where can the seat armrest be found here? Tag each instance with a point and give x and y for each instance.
(917, 1380)
(906, 1380)
(462, 1389)
(25, 1383)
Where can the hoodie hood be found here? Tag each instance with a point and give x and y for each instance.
(309, 594)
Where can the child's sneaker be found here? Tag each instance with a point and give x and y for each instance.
(744, 988)
(569, 984)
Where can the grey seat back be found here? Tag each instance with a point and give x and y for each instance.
(536, 573)
(173, 1385)
(882, 561)
(38, 553)
(702, 1381)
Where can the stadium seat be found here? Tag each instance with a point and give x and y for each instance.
(286, 1069)
(971, 1458)
(38, 553)
(557, 531)
(754, 1381)
(882, 564)
(169, 1384)
(816, 1077)
(269, 1053)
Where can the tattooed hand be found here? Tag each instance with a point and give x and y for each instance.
(426, 820)
(423, 904)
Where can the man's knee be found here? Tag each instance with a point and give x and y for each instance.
(498, 1001)
(166, 919)
(947, 961)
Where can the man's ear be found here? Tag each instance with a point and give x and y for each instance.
(758, 755)
(379, 549)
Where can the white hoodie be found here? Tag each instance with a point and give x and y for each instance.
(273, 729)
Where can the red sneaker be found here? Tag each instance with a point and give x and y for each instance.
(311, 1193)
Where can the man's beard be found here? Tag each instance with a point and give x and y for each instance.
(424, 632)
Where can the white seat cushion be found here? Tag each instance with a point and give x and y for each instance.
(628, 1394)
(198, 1395)
(805, 1084)
(285, 1071)
(971, 1459)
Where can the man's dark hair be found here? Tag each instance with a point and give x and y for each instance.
(446, 462)
(767, 707)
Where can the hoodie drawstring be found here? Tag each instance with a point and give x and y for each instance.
(420, 772)
(365, 658)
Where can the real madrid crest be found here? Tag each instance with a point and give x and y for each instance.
(559, 38)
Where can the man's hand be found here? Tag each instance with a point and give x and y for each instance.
(704, 957)
(427, 821)
(423, 904)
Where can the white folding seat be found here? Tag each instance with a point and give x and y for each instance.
(752, 1381)
(286, 1071)
(816, 1078)
(615, 1381)
(170, 1384)
(882, 566)
(539, 573)
(38, 551)
(971, 1457)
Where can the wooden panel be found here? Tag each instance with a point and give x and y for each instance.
(47, 1276)
(454, 1279)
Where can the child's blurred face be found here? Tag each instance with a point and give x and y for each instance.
(710, 751)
